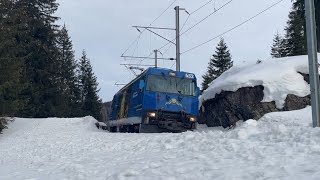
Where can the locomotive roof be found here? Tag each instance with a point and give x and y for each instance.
(156, 71)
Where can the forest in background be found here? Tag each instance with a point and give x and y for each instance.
(40, 76)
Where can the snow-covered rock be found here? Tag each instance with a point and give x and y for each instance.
(279, 77)
(246, 92)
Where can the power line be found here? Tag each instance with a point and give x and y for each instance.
(137, 46)
(149, 25)
(185, 22)
(133, 43)
(195, 12)
(130, 72)
(201, 7)
(235, 27)
(173, 65)
(163, 12)
(167, 49)
(215, 11)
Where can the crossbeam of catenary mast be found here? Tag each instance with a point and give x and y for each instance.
(149, 27)
(140, 57)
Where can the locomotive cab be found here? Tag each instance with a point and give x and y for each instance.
(159, 100)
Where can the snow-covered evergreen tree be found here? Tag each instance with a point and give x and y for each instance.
(67, 79)
(206, 81)
(91, 103)
(295, 37)
(278, 46)
(220, 62)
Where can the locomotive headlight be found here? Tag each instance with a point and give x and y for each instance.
(152, 114)
(193, 119)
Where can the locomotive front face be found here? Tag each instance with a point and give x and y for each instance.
(171, 93)
(171, 102)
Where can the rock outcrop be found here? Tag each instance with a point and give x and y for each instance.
(229, 107)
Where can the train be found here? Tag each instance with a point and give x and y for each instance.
(158, 100)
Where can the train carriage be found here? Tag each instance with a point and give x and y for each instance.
(158, 100)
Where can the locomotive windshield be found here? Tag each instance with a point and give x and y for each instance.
(174, 85)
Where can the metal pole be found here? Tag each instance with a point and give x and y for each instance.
(313, 61)
(156, 58)
(177, 8)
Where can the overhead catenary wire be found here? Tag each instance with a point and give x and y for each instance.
(201, 7)
(132, 43)
(149, 25)
(173, 65)
(233, 28)
(168, 42)
(130, 72)
(185, 22)
(205, 18)
(146, 57)
(193, 12)
(137, 46)
(215, 11)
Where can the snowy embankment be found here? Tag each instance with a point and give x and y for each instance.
(279, 77)
(278, 146)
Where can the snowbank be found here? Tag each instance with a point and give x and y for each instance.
(279, 77)
(278, 146)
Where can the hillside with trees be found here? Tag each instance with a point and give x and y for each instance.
(40, 76)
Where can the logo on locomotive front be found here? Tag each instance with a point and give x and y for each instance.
(174, 101)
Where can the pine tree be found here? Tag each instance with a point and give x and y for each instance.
(11, 60)
(295, 37)
(278, 46)
(91, 103)
(207, 79)
(37, 63)
(300, 6)
(67, 78)
(41, 56)
(219, 63)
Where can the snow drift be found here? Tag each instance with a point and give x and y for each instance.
(279, 77)
(278, 146)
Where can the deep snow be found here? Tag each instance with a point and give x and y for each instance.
(279, 77)
(278, 146)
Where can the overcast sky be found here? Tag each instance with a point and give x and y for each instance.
(103, 29)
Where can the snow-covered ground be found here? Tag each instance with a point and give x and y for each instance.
(279, 77)
(278, 146)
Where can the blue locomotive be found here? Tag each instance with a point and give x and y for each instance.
(158, 100)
